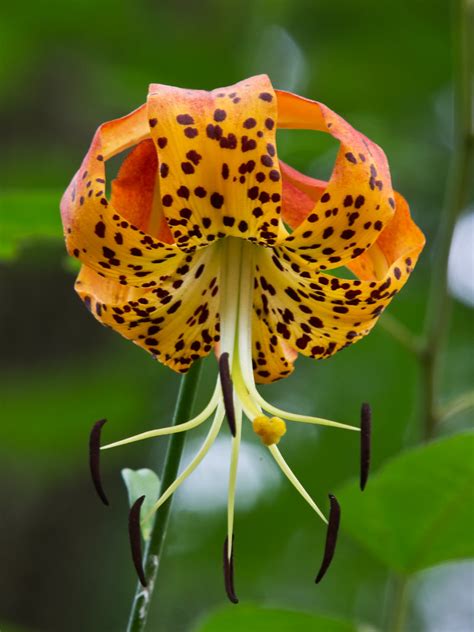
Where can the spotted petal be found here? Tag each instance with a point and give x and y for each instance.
(178, 321)
(318, 314)
(358, 200)
(96, 233)
(219, 171)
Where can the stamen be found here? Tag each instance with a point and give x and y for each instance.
(206, 446)
(285, 468)
(331, 537)
(365, 432)
(234, 463)
(319, 421)
(135, 539)
(228, 559)
(188, 425)
(94, 459)
(227, 390)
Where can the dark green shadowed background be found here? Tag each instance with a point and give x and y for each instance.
(402, 559)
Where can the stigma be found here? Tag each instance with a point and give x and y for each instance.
(270, 430)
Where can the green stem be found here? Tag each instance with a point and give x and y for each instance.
(184, 404)
(400, 605)
(400, 332)
(457, 405)
(439, 303)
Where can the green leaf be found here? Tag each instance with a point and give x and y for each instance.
(146, 483)
(417, 510)
(27, 215)
(235, 619)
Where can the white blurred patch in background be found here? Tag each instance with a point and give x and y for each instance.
(445, 598)
(461, 260)
(278, 55)
(206, 489)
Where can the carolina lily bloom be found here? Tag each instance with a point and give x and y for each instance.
(209, 242)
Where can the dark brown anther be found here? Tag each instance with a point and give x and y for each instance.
(365, 432)
(331, 537)
(227, 390)
(94, 459)
(229, 572)
(134, 532)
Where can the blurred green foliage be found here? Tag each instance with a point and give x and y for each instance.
(64, 69)
(439, 523)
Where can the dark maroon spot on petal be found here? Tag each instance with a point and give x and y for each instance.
(360, 200)
(194, 157)
(269, 123)
(191, 132)
(187, 167)
(162, 142)
(217, 200)
(228, 142)
(185, 119)
(167, 200)
(325, 197)
(266, 160)
(100, 229)
(164, 170)
(248, 144)
(351, 158)
(347, 234)
(274, 175)
(265, 96)
(185, 213)
(183, 192)
(200, 192)
(152, 122)
(252, 193)
(220, 115)
(249, 123)
(314, 321)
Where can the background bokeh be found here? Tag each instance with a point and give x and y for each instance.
(386, 67)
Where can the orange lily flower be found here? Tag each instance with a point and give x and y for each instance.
(208, 241)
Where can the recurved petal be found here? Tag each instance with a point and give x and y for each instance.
(95, 232)
(401, 240)
(318, 314)
(299, 195)
(358, 200)
(177, 321)
(133, 192)
(219, 172)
